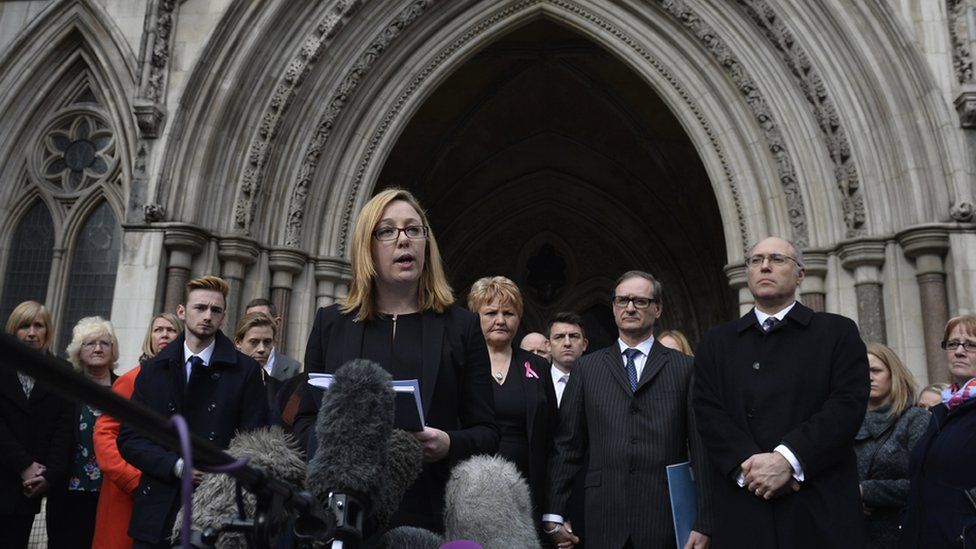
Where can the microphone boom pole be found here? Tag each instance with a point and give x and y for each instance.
(53, 374)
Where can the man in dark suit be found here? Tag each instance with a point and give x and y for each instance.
(202, 377)
(627, 407)
(779, 396)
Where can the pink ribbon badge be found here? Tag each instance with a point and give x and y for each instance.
(529, 372)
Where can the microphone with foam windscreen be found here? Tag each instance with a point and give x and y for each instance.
(350, 467)
(405, 457)
(488, 501)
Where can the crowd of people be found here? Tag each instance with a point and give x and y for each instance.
(799, 433)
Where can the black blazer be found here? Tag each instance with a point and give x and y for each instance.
(541, 420)
(630, 437)
(459, 401)
(232, 397)
(941, 468)
(805, 385)
(36, 429)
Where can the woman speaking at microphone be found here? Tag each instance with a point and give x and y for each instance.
(400, 313)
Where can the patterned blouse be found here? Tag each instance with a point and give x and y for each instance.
(85, 474)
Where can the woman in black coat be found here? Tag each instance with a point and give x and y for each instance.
(890, 430)
(400, 313)
(35, 432)
(941, 508)
(525, 400)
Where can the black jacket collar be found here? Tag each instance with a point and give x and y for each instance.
(800, 314)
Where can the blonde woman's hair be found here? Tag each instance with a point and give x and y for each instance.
(488, 289)
(91, 327)
(685, 347)
(434, 292)
(902, 394)
(27, 312)
(147, 350)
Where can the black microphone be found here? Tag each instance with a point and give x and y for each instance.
(353, 430)
(404, 465)
(488, 501)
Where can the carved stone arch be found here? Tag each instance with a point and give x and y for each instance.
(891, 112)
(339, 181)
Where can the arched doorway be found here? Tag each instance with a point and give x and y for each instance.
(546, 159)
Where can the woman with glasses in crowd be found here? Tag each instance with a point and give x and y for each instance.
(890, 430)
(71, 507)
(35, 431)
(400, 313)
(942, 498)
(121, 478)
(525, 400)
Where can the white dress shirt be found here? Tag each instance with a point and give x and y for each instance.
(204, 355)
(645, 349)
(559, 381)
(269, 365)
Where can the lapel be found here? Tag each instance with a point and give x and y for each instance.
(530, 388)
(15, 391)
(432, 348)
(653, 365)
(614, 361)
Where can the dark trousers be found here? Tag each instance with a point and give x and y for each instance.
(15, 530)
(71, 519)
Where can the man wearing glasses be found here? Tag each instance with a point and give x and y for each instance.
(779, 396)
(627, 407)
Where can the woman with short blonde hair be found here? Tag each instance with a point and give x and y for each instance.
(163, 328)
(28, 313)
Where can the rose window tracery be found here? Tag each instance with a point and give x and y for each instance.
(78, 152)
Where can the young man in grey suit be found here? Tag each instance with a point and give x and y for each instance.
(628, 408)
(278, 365)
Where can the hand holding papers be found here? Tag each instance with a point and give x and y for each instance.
(409, 412)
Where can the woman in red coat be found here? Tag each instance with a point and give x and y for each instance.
(115, 501)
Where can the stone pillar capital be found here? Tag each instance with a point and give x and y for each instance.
(288, 260)
(184, 238)
(243, 251)
(862, 252)
(815, 263)
(736, 273)
(924, 240)
(332, 269)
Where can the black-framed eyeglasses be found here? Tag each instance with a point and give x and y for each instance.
(639, 302)
(774, 259)
(413, 232)
(953, 344)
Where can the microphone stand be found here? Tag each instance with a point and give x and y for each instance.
(271, 493)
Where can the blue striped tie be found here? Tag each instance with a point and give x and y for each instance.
(631, 354)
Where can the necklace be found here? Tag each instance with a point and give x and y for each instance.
(498, 376)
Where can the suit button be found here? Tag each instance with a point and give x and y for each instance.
(212, 436)
(634, 410)
(755, 365)
(749, 413)
(215, 375)
(171, 407)
(147, 490)
(212, 407)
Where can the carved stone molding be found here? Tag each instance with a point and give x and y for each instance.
(924, 240)
(334, 269)
(962, 211)
(234, 249)
(149, 116)
(810, 82)
(736, 273)
(957, 13)
(479, 28)
(153, 213)
(862, 252)
(154, 66)
(350, 81)
(184, 237)
(296, 71)
(775, 142)
(965, 104)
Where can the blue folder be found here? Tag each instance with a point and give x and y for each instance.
(684, 501)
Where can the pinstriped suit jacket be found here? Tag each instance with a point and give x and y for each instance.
(630, 439)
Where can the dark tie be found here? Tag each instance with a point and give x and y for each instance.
(770, 323)
(196, 363)
(631, 354)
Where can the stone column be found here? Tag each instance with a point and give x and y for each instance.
(813, 291)
(865, 257)
(927, 245)
(332, 275)
(285, 263)
(235, 253)
(736, 273)
(182, 242)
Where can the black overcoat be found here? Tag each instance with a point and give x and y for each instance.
(455, 388)
(943, 464)
(225, 397)
(805, 384)
(35, 429)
